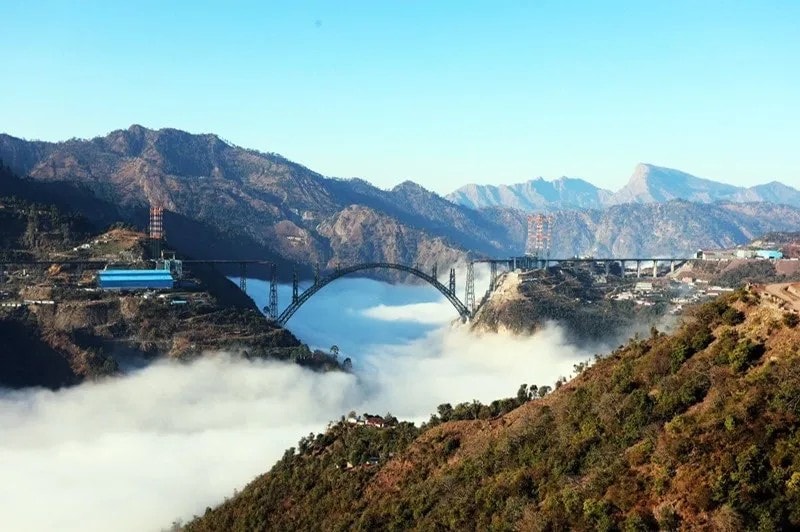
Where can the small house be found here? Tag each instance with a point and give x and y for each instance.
(374, 421)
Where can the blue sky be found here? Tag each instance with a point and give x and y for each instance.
(443, 93)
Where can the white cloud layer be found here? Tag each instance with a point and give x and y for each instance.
(162, 443)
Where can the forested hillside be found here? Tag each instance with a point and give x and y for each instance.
(697, 430)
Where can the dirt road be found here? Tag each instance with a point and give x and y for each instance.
(789, 293)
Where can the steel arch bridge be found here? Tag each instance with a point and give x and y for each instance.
(319, 284)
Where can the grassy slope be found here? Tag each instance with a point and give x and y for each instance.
(694, 430)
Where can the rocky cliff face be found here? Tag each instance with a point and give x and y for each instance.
(359, 231)
(677, 228)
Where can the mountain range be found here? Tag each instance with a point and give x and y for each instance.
(227, 201)
(262, 203)
(647, 184)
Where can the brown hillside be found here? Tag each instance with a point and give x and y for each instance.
(693, 431)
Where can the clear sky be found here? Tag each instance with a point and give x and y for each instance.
(440, 92)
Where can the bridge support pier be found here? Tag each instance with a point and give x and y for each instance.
(672, 266)
(452, 281)
(469, 290)
(295, 287)
(272, 310)
(243, 277)
(638, 269)
(435, 271)
(492, 276)
(655, 269)
(316, 273)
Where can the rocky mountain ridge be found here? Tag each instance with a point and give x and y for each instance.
(281, 207)
(226, 201)
(647, 184)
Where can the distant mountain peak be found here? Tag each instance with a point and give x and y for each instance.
(536, 194)
(650, 183)
(138, 128)
(409, 185)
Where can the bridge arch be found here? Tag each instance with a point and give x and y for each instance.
(462, 309)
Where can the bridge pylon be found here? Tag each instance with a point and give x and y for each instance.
(243, 277)
(469, 291)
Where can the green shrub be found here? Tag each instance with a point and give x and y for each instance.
(745, 354)
(732, 317)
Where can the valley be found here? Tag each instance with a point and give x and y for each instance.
(387, 266)
(222, 362)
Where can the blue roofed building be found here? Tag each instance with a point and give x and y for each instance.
(135, 279)
(772, 254)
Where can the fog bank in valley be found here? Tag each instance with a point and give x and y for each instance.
(164, 442)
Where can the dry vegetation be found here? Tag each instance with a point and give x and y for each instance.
(697, 430)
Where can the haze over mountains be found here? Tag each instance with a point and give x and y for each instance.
(227, 201)
(648, 184)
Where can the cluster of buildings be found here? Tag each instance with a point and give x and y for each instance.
(739, 253)
(643, 293)
(677, 294)
(367, 420)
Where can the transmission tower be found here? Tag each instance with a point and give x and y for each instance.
(540, 235)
